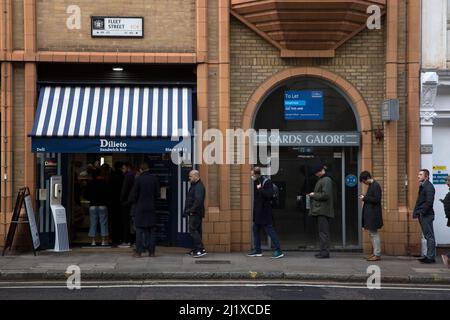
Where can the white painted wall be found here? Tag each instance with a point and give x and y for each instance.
(434, 34)
(441, 157)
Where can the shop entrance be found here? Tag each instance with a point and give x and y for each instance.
(78, 170)
(316, 124)
(298, 230)
(109, 122)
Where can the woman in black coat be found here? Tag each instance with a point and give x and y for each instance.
(372, 213)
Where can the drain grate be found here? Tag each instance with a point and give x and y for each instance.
(212, 261)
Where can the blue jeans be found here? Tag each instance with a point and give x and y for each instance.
(426, 223)
(270, 232)
(96, 214)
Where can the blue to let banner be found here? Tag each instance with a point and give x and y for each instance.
(303, 105)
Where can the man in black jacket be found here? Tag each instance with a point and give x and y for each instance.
(425, 213)
(262, 214)
(195, 209)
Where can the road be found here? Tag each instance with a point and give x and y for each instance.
(214, 290)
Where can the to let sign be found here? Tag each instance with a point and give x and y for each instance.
(303, 105)
(127, 27)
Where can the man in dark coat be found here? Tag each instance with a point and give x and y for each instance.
(262, 214)
(425, 213)
(195, 209)
(372, 218)
(323, 200)
(144, 195)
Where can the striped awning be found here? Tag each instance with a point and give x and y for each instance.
(122, 112)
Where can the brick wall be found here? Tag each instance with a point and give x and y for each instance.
(169, 26)
(18, 127)
(361, 61)
(21, 238)
(18, 25)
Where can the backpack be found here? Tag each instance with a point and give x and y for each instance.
(275, 201)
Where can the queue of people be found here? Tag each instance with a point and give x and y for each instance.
(322, 206)
(107, 190)
(139, 191)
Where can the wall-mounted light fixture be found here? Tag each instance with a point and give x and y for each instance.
(118, 69)
(379, 134)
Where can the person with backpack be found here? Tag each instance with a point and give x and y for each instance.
(262, 214)
(322, 207)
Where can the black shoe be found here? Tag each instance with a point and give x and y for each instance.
(199, 253)
(428, 261)
(322, 256)
(190, 253)
(422, 259)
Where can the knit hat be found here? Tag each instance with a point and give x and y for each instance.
(317, 167)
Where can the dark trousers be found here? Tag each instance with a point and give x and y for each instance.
(195, 229)
(116, 222)
(270, 232)
(145, 239)
(323, 224)
(426, 223)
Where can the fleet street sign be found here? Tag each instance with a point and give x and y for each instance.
(125, 27)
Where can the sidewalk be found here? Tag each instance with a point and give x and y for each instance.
(171, 263)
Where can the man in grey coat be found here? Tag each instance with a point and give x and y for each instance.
(322, 206)
(425, 213)
(372, 218)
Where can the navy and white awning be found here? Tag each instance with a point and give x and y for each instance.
(116, 115)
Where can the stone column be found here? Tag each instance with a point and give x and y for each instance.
(430, 82)
(427, 115)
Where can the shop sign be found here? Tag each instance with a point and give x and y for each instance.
(32, 221)
(440, 174)
(128, 27)
(351, 181)
(312, 139)
(103, 145)
(50, 167)
(303, 105)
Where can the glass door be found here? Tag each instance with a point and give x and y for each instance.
(48, 164)
(296, 229)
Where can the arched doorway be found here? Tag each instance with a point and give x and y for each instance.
(354, 98)
(312, 109)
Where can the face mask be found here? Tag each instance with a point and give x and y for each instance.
(254, 178)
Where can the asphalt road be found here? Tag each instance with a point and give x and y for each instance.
(230, 291)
